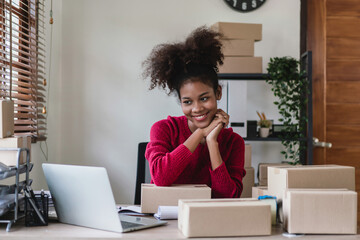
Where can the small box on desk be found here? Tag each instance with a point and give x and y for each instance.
(259, 191)
(6, 118)
(320, 211)
(224, 217)
(153, 196)
(248, 182)
(235, 30)
(309, 176)
(262, 171)
(9, 158)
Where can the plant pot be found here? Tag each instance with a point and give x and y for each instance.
(264, 132)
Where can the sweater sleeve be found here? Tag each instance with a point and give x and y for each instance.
(166, 163)
(226, 180)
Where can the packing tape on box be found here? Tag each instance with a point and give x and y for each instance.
(273, 204)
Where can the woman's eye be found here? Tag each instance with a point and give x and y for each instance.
(187, 102)
(204, 99)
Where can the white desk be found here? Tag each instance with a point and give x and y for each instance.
(57, 230)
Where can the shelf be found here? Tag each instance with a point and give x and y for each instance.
(306, 66)
(271, 139)
(243, 76)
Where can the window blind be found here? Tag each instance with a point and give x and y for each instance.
(22, 64)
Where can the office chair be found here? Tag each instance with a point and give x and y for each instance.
(143, 172)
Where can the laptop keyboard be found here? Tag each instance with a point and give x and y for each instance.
(130, 224)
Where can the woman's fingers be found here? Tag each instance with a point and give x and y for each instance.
(225, 118)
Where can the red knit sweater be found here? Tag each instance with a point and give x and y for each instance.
(173, 163)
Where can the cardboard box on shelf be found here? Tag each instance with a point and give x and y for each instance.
(309, 176)
(247, 163)
(6, 118)
(259, 191)
(320, 211)
(241, 65)
(9, 158)
(153, 196)
(224, 217)
(262, 171)
(248, 182)
(238, 47)
(234, 30)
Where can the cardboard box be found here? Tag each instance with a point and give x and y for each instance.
(309, 176)
(6, 118)
(238, 47)
(320, 211)
(241, 65)
(259, 191)
(224, 217)
(9, 158)
(262, 171)
(247, 163)
(248, 182)
(233, 30)
(153, 196)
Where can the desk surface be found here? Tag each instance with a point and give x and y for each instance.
(169, 231)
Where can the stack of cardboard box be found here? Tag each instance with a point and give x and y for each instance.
(238, 47)
(316, 199)
(7, 139)
(249, 179)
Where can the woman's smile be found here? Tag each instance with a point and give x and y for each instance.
(200, 117)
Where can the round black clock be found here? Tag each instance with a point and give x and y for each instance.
(245, 5)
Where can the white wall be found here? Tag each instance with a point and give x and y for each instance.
(100, 107)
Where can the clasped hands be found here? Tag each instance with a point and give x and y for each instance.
(212, 131)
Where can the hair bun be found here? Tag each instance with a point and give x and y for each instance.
(169, 61)
(203, 46)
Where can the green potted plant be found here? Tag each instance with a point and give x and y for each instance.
(289, 84)
(264, 124)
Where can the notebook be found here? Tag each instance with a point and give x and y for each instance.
(82, 196)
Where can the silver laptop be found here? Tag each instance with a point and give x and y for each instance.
(82, 196)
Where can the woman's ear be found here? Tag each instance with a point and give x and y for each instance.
(218, 93)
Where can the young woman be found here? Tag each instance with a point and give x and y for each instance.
(196, 148)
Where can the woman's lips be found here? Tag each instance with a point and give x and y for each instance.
(200, 117)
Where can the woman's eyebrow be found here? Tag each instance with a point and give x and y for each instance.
(203, 94)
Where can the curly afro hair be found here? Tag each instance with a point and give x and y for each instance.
(195, 59)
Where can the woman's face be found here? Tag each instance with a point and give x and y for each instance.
(198, 103)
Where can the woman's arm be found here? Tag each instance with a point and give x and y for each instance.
(226, 179)
(226, 176)
(166, 162)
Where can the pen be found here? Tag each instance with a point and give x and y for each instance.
(43, 201)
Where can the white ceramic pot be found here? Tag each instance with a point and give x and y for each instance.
(264, 132)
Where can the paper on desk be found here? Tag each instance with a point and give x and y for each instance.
(167, 212)
(131, 210)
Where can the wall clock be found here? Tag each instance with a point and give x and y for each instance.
(245, 5)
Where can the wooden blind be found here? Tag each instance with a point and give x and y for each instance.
(22, 64)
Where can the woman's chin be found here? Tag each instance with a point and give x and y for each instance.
(202, 124)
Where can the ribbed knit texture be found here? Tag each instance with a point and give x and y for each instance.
(171, 162)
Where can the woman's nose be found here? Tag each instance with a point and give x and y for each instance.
(197, 107)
